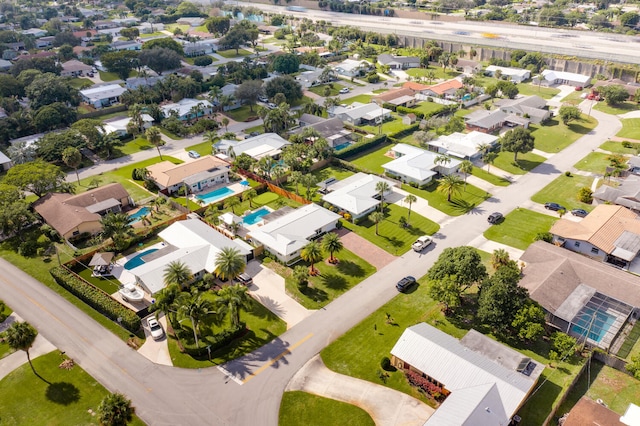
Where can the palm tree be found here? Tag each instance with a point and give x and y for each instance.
(72, 158)
(196, 308)
(20, 336)
(331, 243)
(165, 301)
(376, 217)
(135, 112)
(231, 203)
(442, 159)
(233, 298)
(466, 167)
(308, 181)
(312, 254)
(177, 272)
(382, 187)
(489, 158)
(211, 136)
(295, 178)
(410, 199)
(225, 123)
(229, 263)
(500, 257)
(265, 164)
(116, 226)
(450, 184)
(115, 410)
(277, 173)
(155, 138)
(249, 195)
(214, 93)
(157, 202)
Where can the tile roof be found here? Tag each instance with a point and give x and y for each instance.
(392, 94)
(168, 174)
(587, 412)
(445, 86)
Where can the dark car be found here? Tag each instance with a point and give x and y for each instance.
(554, 206)
(244, 279)
(494, 218)
(579, 212)
(405, 283)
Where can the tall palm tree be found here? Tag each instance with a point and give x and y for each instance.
(212, 215)
(277, 173)
(71, 157)
(308, 180)
(116, 226)
(265, 164)
(20, 336)
(214, 93)
(211, 136)
(295, 178)
(165, 301)
(225, 123)
(442, 159)
(312, 254)
(489, 158)
(466, 167)
(249, 195)
(115, 410)
(196, 308)
(155, 138)
(331, 243)
(177, 272)
(376, 217)
(499, 257)
(158, 202)
(234, 298)
(229, 263)
(450, 184)
(231, 203)
(135, 112)
(382, 187)
(410, 199)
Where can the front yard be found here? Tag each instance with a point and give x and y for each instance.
(467, 199)
(554, 136)
(231, 53)
(203, 148)
(630, 128)
(618, 148)
(241, 114)
(489, 177)
(301, 408)
(622, 108)
(564, 191)
(364, 99)
(526, 162)
(392, 125)
(334, 89)
(138, 144)
(594, 162)
(519, 228)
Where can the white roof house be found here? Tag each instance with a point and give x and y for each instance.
(102, 96)
(417, 165)
(563, 77)
(515, 74)
(487, 380)
(356, 194)
(463, 145)
(357, 113)
(120, 126)
(183, 108)
(5, 162)
(195, 243)
(288, 234)
(351, 67)
(266, 144)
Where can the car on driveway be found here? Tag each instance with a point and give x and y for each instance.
(263, 99)
(494, 218)
(554, 206)
(405, 283)
(579, 212)
(244, 279)
(344, 90)
(421, 243)
(193, 154)
(157, 332)
(271, 105)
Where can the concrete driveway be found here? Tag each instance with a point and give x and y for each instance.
(156, 351)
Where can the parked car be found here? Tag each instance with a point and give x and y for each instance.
(271, 105)
(130, 293)
(244, 279)
(263, 99)
(554, 206)
(344, 90)
(494, 218)
(579, 212)
(90, 74)
(578, 88)
(157, 332)
(193, 154)
(405, 283)
(421, 243)
(253, 134)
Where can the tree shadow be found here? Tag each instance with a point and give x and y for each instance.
(62, 393)
(462, 205)
(315, 294)
(350, 268)
(334, 281)
(393, 241)
(526, 165)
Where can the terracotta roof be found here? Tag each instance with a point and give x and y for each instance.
(394, 94)
(168, 174)
(601, 227)
(587, 412)
(83, 33)
(441, 88)
(415, 86)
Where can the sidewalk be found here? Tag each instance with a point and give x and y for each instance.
(386, 406)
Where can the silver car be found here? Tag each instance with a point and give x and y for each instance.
(157, 332)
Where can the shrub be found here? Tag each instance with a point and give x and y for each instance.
(215, 342)
(373, 78)
(585, 195)
(97, 299)
(28, 248)
(547, 237)
(138, 174)
(425, 385)
(567, 173)
(385, 363)
(626, 144)
(203, 61)
(361, 146)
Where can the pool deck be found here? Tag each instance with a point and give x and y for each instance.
(124, 275)
(236, 187)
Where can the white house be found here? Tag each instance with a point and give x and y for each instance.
(287, 235)
(399, 62)
(550, 77)
(417, 165)
(466, 146)
(352, 67)
(188, 109)
(102, 96)
(358, 113)
(74, 68)
(35, 32)
(125, 44)
(197, 175)
(517, 75)
(149, 28)
(357, 194)
(190, 241)
(119, 126)
(5, 162)
(265, 144)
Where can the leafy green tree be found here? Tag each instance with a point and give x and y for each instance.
(287, 63)
(278, 120)
(130, 33)
(501, 298)
(231, 203)
(165, 301)
(249, 92)
(633, 367)
(529, 321)
(569, 113)
(38, 177)
(499, 257)
(164, 43)
(21, 336)
(508, 89)
(52, 145)
(462, 262)
(72, 158)
(450, 185)
(331, 243)
(309, 181)
(563, 344)
(48, 88)
(117, 226)
(160, 59)
(89, 129)
(177, 272)
(376, 217)
(155, 138)
(614, 94)
(312, 254)
(518, 140)
(286, 85)
(229, 263)
(218, 25)
(233, 299)
(115, 410)
(10, 86)
(121, 63)
(446, 291)
(629, 19)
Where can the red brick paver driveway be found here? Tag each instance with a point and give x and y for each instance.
(365, 249)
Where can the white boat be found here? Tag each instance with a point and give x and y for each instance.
(131, 293)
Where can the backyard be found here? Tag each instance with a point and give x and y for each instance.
(320, 175)
(372, 160)
(526, 162)
(392, 125)
(138, 144)
(231, 53)
(519, 228)
(301, 408)
(203, 148)
(554, 136)
(630, 128)
(438, 73)
(564, 191)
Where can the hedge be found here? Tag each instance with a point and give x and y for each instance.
(405, 132)
(215, 342)
(361, 146)
(97, 299)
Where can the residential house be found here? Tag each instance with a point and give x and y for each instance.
(104, 24)
(82, 51)
(115, 32)
(188, 109)
(413, 164)
(126, 22)
(484, 381)
(266, 144)
(631, 88)
(197, 175)
(490, 121)
(309, 119)
(361, 114)
(125, 45)
(585, 298)
(446, 89)
(137, 82)
(229, 90)
(200, 47)
(313, 78)
(609, 233)
(86, 35)
(102, 96)
(44, 42)
(589, 412)
(416, 87)
(191, 242)
(398, 97)
(353, 67)
(119, 125)
(150, 27)
(286, 235)
(5, 162)
(27, 141)
(533, 108)
(468, 66)
(626, 193)
(399, 62)
(74, 68)
(551, 77)
(72, 215)
(35, 32)
(465, 146)
(331, 129)
(192, 22)
(516, 75)
(357, 194)
(5, 65)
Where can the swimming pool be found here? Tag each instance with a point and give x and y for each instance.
(137, 216)
(597, 328)
(342, 146)
(217, 194)
(136, 261)
(256, 216)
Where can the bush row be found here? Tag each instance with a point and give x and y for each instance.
(215, 342)
(429, 388)
(405, 132)
(361, 146)
(97, 299)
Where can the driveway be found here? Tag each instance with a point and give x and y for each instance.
(156, 351)
(365, 249)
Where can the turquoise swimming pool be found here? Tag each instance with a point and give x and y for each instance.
(215, 195)
(342, 146)
(597, 328)
(256, 216)
(137, 216)
(136, 261)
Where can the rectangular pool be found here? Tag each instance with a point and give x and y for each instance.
(597, 326)
(215, 195)
(256, 216)
(342, 146)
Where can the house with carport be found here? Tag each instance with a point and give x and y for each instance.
(256, 147)
(533, 108)
(412, 164)
(331, 129)
(516, 75)
(398, 62)
(196, 175)
(397, 97)
(74, 68)
(352, 67)
(552, 78)
(626, 193)
(465, 146)
(360, 114)
(102, 96)
(356, 194)
(446, 89)
(119, 125)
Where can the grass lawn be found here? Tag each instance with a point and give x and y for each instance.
(111, 76)
(241, 114)
(203, 148)
(301, 408)
(333, 87)
(489, 177)
(631, 345)
(4, 347)
(391, 236)
(364, 99)
(573, 98)
(526, 162)
(428, 107)
(529, 89)
(303, 100)
(25, 399)
(372, 160)
(616, 147)
(389, 126)
(461, 203)
(153, 34)
(630, 128)
(437, 71)
(231, 53)
(269, 199)
(138, 144)
(183, 27)
(109, 285)
(564, 190)
(259, 129)
(613, 387)
(323, 174)
(169, 134)
(595, 162)
(519, 228)
(617, 109)
(554, 136)
(80, 83)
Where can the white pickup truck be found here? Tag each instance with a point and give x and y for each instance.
(421, 243)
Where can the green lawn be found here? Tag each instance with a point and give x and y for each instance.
(463, 202)
(333, 87)
(109, 285)
(259, 129)
(595, 162)
(564, 190)
(111, 76)
(391, 236)
(519, 228)
(373, 160)
(323, 174)
(630, 128)
(489, 177)
(138, 144)
(183, 27)
(389, 126)
(526, 162)
(267, 198)
(333, 280)
(153, 34)
(169, 134)
(231, 53)
(617, 109)
(616, 147)
(363, 99)
(203, 148)
(68, 400)
(437, 71)
(554, 136)
(427, 107)
(529, 89)
(301, 408)
(241, 114)
(573, 98)
(631, 345)
(80, 83)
